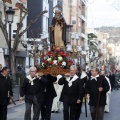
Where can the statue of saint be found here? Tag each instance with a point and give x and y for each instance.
(58, 31)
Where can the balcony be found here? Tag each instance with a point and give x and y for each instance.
(83, 30)
(83, 35)
(83, 13)
(82, 18)
(84, 3)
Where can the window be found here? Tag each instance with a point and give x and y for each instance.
(14, 33)
(73, 20)
(73, 2)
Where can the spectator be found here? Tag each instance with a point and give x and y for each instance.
(22, 70)
(117, 78)
(5, 92)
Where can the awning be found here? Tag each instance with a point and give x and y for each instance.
(3, 43)
(2, 60)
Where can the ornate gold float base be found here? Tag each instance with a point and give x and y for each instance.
(54, 70)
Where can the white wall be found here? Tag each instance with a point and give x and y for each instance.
(45, 17)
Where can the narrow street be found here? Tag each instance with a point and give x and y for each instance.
(17, 113)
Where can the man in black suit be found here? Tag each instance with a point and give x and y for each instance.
(49, 95)
(96, 87)
(83, 77)
(88, 73)
(32, 89)
(0, 68)
(5, 92)
(71, 93)
(112, 80)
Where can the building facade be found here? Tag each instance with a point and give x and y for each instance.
(75, 13)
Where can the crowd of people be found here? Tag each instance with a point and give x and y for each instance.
(50, 94)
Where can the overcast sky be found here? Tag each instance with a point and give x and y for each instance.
(103, 13)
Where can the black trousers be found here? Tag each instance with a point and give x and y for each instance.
(46, 109)
(69, 111)
(78, 109)
(116, 86)
(36, 110)
(100, 114)
(3, 112)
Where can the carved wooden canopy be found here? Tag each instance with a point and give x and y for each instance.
(54, 70)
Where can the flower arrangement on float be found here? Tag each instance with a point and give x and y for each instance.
(56, 57)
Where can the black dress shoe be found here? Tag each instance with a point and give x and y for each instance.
(52, 111)
(56, 111)
(42, 119)
(106, 112)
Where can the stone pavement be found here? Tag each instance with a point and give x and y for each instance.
(17, 112)
(17, 104)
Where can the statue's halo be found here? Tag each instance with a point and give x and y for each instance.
(57, 7)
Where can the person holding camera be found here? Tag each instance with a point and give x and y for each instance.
(33, 90)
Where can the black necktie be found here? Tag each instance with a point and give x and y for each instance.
(71, 78)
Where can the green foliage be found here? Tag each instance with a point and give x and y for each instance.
(112, 62)
(91, 36)
(19, 77)
(93, 45)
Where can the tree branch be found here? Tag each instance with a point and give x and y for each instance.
(5, 6)
(4, 30)
(2, 25)
(19, 26)
(17, 39)
(32, 22)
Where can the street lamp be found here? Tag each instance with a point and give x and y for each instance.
(74, 48)
(75, 51)
(35, 51)
(9, 17)
(74, 37)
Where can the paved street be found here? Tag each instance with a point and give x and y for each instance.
(17, 113)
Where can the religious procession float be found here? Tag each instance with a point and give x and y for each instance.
(57, 60)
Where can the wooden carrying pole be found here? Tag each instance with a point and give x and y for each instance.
(96, 115)
(85, 107)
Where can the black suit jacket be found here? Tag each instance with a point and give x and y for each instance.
(92, 89)
(71, 94)
(49, 89)
(5, 86)
(30, 90)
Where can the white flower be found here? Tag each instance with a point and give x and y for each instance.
(54, 62)
(60, 58)
(63, 63)
(43, 64)
(49, 59)
(46, 57)
(33, 48)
